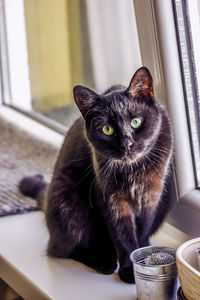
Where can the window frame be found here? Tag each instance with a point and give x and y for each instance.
(189, 81)
(5, 89)
(159, 51)
(6, 97)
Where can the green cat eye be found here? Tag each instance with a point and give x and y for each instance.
(108, 130)
(136, 122)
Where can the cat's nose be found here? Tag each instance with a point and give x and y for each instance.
(128, 144)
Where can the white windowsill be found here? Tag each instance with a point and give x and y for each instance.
(31, 126)
(25, 267)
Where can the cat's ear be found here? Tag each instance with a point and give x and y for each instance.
(84, 98)
(141, 83)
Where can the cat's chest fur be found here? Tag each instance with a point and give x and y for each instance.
(127, 189)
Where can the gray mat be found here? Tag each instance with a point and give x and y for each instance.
(21, 155)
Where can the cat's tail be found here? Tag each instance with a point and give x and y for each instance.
(34, 187)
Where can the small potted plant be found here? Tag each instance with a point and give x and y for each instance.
(155, 273)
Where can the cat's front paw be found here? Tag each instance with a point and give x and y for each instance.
(106, 270)
(105, 266)
(126, 274)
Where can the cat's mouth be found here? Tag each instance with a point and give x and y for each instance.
(132, 158)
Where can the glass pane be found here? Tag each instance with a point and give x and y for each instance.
(54, 45)
(188, 30)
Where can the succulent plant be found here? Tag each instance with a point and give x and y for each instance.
(159, 258)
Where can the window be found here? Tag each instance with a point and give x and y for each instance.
(187, 16)
(50, 46)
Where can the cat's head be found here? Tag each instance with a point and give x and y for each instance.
(124, 124)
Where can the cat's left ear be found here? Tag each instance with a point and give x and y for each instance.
(84, 98)
(141, 83)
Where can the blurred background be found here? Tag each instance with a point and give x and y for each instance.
(54, 45)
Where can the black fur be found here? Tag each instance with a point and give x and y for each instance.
(106, 196)
(32, 186)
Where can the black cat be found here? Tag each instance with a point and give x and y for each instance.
(106, 195)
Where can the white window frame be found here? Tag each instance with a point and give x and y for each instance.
(14, 53)
(159, 51)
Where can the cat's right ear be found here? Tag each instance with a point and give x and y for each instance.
(84, 98)
(141, 83)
